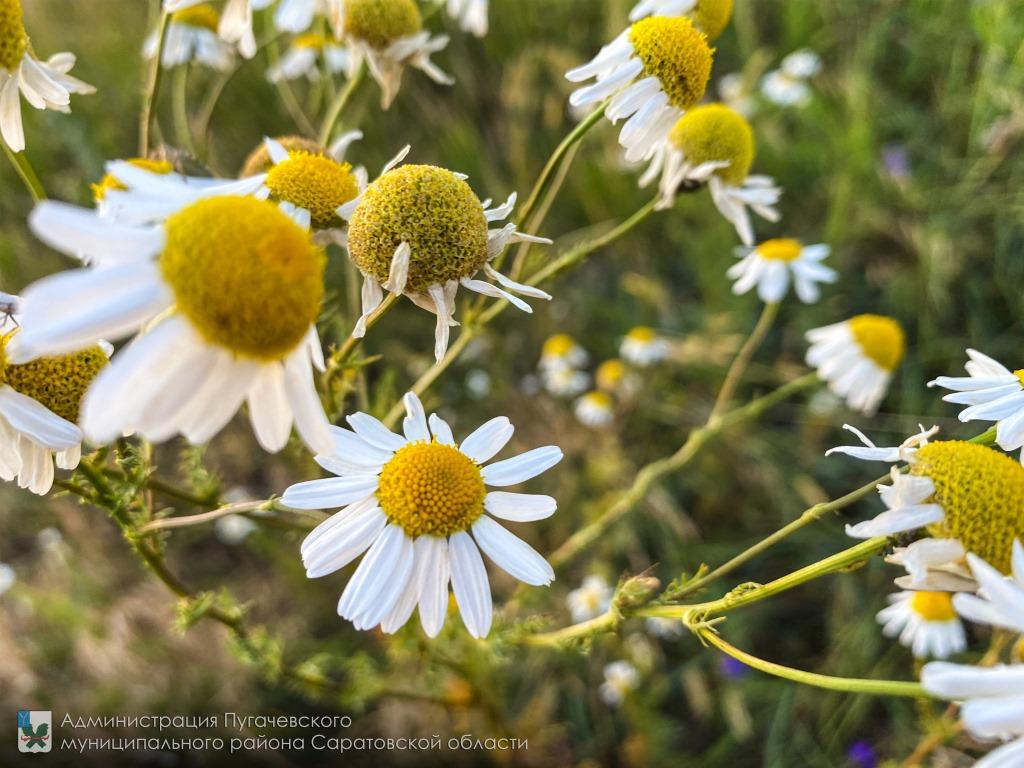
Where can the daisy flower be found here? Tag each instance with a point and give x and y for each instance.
(733, 92)
(665, 628)
(643, 347)
(44, 84)
(933, 564)
(771, 265)
(595, 409)
(562, 351)
(303, 58)
(7, 577)
(420, 231)
(222, 296)
(235, 24)
(389, 36)
(713, 144)
(297, 16)
(620, 679)
(192, 36)
(991, 392)
(787, 86)
(614, 377)
(710, 16)
(858, 358)
(653, 72)
(39, 404)
(955, 490)
(565, 382)
(471, 15)
(925, 622)
(591, 599)
(418, 502)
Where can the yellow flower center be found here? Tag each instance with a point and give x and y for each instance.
(13, 38)
(317, 183)
(981, 492)
(610, 374)
(598, 400)
(108, 182)
(259, 160)
(559, 345)
(58, 382)
(780, 249)
(313, 40)
(712, 16)
(203, 15)
(716, 133)
(432, 210)
(933, 606)
(430, 489)
(880, 338)
(1019, 373)
(642, 334)
(380, 22)
(675, 52)
(245, 275)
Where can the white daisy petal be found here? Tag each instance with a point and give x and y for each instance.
(511, 553)
(470, 585)
(523, 467)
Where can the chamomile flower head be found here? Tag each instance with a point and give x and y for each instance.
(44, 84)
(296, 16)
(234, 25)
(615, 377)
(595, 409)
(787, 86)
(304, 56)
(259, 160)
(192, 37)
(774, 263)
(735, 93)
(562, 351)
(222, 294)
(565, 382)
(925, 622)
(643, 347)
(620, 679)
(714, 144)
(39, 409)
(419, 503)
(590, 599)
(991, 392)
(710, 16)
(471, 15)
(389, 36)
(653, 72)
(421, 231)
(858, 358)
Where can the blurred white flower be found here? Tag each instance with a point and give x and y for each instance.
(643, 347)
(471, 15)
(733, 92)
(297, 16)
(478, 383)
(192, 36)
(774, 263)
(620, 679)
(595, 409)
(233, 529)
(303, 57)
(565, 382)
(925, 622)
(665, 628)
(787, 86)
(590, 599)
(235, 23)
(7, 577)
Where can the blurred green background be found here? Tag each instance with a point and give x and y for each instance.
(906, 161)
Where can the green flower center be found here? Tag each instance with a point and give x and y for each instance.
(13, 38)
(381, 22)
(880, 338)
(716, 133)
(675, 52)
(314, 182)
(58, 382)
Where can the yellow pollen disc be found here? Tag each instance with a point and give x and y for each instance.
(13, 38)
(380, 22)
(259, 160)
(432, 210)
(780, 249)
(712, 16)
(314, 182)
(642, 334)
(933, 606)
(599, 400)
(1019, 373)
(880, 338)
(245, 275)
(981, 492)
(313, 40)
(58, 382)
(675, 52)
(431, 489)
(203, 15)
(559, 345)
(610, 374)
(108, 182)
(716, 133)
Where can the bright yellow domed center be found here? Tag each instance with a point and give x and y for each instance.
(712, 16)
(381, 22)
(58, 382)
(981, 492)
(432, 210)
(641, 334)
(880, 338)
(610, 374)
(259, 160)
(13, 38)
(780, 249)
(314, 182)
(598, 400)
(203, 15)
(431, 489)
(675, 52)
(715, 133)
(108, 182)
(559, 345)
(933, 606)
(245, 275)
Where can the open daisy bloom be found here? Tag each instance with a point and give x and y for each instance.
(44, 84)
(590, 599)
(774, 263)
(192, 36)
(787, 86)
(620, 679)
(418, 502)
(858, 358)
(420, 231)
(925, 622)
(653, 72)
(992, 392)
(235, 24)
(223, 295)
(471, 15)
(713, 144)
(643, 347)
(389, 36)
(304, 56)
(710, 16)
(39, 404)
(595, 409)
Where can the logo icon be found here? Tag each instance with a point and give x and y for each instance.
(34, 731)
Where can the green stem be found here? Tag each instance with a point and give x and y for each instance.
(739, 364)
(26, 173)
(206, 109)
(152, 86)
(179, 103)
(341, 100)
(284, 89)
